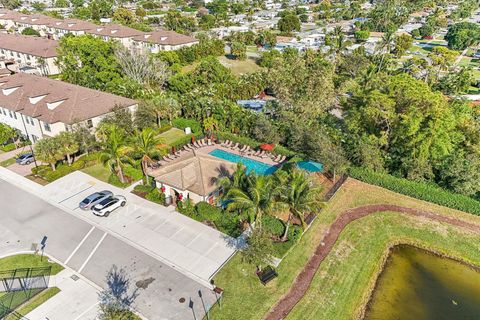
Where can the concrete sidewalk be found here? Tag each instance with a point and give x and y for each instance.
(78, 299)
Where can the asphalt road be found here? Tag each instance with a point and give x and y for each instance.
(25, 219)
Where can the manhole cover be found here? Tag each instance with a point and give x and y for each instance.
(182, 300)
(74, 277)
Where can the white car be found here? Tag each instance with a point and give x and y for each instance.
(106, 206)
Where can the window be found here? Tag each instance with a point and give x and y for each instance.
(47, 127)
(31, 121)
(26, 119)
(34, 138)
(15, 115)
(10, 113)
(89, 123)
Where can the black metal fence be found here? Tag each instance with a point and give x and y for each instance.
(20, 285)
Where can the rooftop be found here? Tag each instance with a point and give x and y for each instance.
(165, 37)
(55, 101)
(35, 46)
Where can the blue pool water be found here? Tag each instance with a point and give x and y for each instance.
(257, 166)
(310, 166)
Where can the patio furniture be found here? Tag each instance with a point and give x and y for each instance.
(171, 157)
(209, 142)
(262, 154)
(227, 143)
(267, 275)
(243, 148)
(257, 153)
(277, 158)
(166, 159)
(196, 144)
(282, 159)
(235, 146)
(230, 143)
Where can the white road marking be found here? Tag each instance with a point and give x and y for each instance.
(79, 245)
(75, 194)
(92, 253)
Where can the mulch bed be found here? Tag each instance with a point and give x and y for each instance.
(303, 280)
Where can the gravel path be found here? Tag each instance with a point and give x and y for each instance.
(302, 282)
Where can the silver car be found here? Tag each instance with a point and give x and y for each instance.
(93, 199)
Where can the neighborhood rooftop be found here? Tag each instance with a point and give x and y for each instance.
(55, 101)
(34, 46)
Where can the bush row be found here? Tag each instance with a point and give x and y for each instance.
(182, 123)
(418, 190)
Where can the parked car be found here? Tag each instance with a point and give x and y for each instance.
(106, 206)
(26, 158)
(97, 197)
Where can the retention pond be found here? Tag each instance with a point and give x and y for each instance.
(416, 284)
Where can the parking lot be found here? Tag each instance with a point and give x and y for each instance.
(188, 246)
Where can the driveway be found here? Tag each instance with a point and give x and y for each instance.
(186, 245)
(26, 218)
(23, 170)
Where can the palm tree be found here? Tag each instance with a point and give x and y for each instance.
(114, 149)
(146, 142)
(256, 198)
(298, 195)
(209, 125)
(48, 150)
(69, 145)
(229, 181)
(162, 107)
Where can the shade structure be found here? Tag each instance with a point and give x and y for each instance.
(267, 147)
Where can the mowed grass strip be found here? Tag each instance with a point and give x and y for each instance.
(28, 261)
(246, 298)
(36, 301)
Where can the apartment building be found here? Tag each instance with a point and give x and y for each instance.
(130, 38)
(38, 106)
(29, 54)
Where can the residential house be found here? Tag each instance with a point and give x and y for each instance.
(162, 40)
(29, 53)
(39, 106)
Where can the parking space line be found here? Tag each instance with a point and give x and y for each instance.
(75, 194)
(86, 311)
(79, 245)
(92, 253)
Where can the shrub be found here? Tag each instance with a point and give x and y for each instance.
(163, 128)
(418, 190)
(281, 248)
(62, 170)
(187, 208)
(143, 188)
(208, 212)
(8, 147)
(228, 223)
(273, 225)
(113, 179)
(133, 173)
(182, 123)
(156, 196)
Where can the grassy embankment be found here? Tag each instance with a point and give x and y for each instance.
(345, 279)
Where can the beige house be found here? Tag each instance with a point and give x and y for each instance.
(162, 40)
(38, 106)
(29, 54)
(192, 177)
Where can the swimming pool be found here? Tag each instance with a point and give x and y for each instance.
(310, 166)
(252, 165)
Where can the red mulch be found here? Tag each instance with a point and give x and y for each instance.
(303, 280)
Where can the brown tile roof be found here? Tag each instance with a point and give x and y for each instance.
(196, 173)
(34, 19)
(35, 46)
(72, 25)
(165, 37)
(54, 101)
(115, 30)
(6, 14)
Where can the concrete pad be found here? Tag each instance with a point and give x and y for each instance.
(21, 169)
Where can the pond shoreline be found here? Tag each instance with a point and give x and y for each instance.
(368, 297)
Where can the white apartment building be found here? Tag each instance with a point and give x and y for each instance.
(163, 40)
(38, 55)
(39, 106)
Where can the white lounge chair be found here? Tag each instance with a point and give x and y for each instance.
(282, 159)
(230, 143)
(209, 142)
(243, 148)
(256, 153)
(225, 143)
(196, 145)
(235, 146)
(166, 159)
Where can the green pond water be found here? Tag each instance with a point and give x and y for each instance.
(418, 285)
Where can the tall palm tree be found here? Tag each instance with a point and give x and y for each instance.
(235, 180)
(298, 195)
(68, 145)
(161, 107)
(146, 142)
(114, 149)
(48, 150)
(256, 198)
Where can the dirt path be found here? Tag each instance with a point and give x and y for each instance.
(302, 282)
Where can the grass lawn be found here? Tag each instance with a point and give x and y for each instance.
(239, 67)
(28, 261)
(344, 279)
(98, 171)
(8, 162)
(37, 301)
(172, 135)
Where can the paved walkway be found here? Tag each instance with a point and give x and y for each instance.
(78, 299)
(10, 154)
(304, 279)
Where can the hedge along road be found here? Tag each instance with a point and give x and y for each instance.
(304, 279)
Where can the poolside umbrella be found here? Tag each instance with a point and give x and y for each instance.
(267, 147)
(193, 139)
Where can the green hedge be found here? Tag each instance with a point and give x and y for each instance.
(156, 196)
(62, 170)
(8, 147)
(418, 190)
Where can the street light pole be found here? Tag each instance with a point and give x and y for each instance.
(30, 145)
